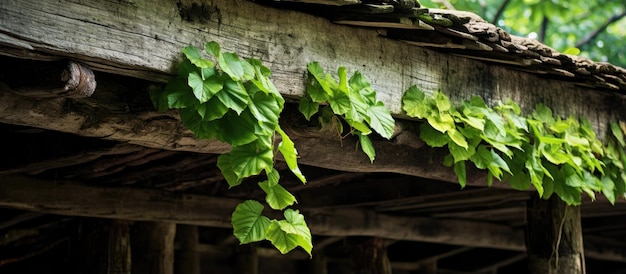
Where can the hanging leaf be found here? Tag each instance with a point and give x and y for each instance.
(248, 223)
(413, 103)
(226, 167)
(290, 233)
(307, 107)
(459, 170)
(288, 150)
(234, 95)
(277, 197)
(250, 159)
(232, 65)
(212, 109)
(381, 121)
(367, 147)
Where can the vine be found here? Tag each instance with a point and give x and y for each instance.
(352, 99)
(234, 101)
(555, 155)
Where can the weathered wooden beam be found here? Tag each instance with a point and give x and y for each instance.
(68, 198)
(52, 80)
(286, 41)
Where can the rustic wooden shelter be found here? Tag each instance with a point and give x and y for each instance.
(94, 180)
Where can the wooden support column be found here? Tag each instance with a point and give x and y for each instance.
(246, 259)
(554, 237)
(187, 260)
(153, 247)
(102, 247)
(319, 263)
(370, 255)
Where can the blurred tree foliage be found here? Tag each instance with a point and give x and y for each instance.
(596, 27)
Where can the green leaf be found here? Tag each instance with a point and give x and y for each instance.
(367, 147)
(307, 107)
(460, 153)
(457, 138)
(497, 165)
(442, 102)
(265, 108)
(608, 189)
(225, 166)
(288, 150)
(381, 121)
(178, 94)
(459, 170)
(277, 197)
(520, 181)
(441, 122)
(572, 51)
(325, 81)
(236, 129)
(360, 84)
(212, 109)
(543, 114)
(340, 103)
(618, 134)
(288, 234)
(213, 48)
(433, 137)
(234, 95)
(248, 223)
(413, 103)
(195, 57)
(204, 89)
(193, 121)
(232, 65)
(343, 80)
(250, 159)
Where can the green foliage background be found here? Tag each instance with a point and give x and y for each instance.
(568, 24)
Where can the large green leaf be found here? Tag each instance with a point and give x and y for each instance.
(212, 109)
(234, 95)
(277, 197)
(251, 159)
(432, 137)
(318, 73)
(232, 65)
(413, 103)
(178, 95)
(236, 129)
(459, 170)
(265, 108)
(193, 121)
(340, 103)
(202, 88)
(307, 107)
(290, 233)
(359, 83)
(195, 57)
(381, 121)
(213, 48)
(226, 167)
(248, 223)
(288, 149)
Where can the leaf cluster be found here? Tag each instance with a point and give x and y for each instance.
(352, 99)
(234, 101)
(554, 155)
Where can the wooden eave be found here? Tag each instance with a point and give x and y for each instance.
(111, 155)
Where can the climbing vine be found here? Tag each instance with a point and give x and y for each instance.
(351, 99)
(233, 100)
(559, 156)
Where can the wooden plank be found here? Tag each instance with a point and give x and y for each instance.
(153, 247)
(68, 198)
(143, 39)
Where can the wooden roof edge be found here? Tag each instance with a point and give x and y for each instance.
(143, 39)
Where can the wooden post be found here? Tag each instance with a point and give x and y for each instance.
(370, 255)
(554, 237)
(153, 247)
(102, 247)
(187, 259)
(246, 259)
(319, 263)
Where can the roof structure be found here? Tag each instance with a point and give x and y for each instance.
(77, 153)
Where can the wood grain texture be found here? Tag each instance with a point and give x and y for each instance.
(143, 39)
(70, 198)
